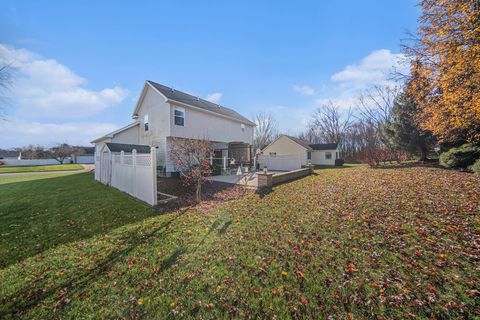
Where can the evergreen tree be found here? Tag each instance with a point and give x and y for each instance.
(403, 133)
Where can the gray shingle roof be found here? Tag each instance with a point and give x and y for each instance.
(324, 146)
(118, 147)
(182, 97)
(303, 143)
(314, 146)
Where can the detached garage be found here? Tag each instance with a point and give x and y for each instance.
(287, 147)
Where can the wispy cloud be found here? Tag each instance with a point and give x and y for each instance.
(373, 69)
(214, 97)
(304, 90)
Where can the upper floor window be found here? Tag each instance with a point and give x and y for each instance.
(272, 154)
(145, 122)
(179, 116)
(328, 155)
(242, 126)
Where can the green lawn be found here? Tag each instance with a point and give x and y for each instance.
(40, 211)
(50, 167)
(346, 243)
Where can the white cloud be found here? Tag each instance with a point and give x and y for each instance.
(372, 69)
(18, 132)
(342, 102)
(214, 97)
(46, 88)
(304, 90)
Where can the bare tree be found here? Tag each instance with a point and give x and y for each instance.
(191, 158)
(34, 152)
(330, 122)
(265, 131)
(376, 104)
(61, 151)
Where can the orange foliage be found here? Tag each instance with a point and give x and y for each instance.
(446, 69)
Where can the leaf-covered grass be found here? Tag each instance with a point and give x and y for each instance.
(50, 167)
(347, 243)
(40, 211)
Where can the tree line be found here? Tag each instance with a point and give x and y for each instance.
(59, 152)
(435, 107)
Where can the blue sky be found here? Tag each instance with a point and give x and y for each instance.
(80, 66)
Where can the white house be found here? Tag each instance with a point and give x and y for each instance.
(290, 147)
(163, 113)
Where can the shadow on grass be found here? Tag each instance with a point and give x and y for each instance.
(29, 297)
(38, 215)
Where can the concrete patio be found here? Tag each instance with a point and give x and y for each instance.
(249, 180)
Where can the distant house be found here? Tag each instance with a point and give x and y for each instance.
(163, 113)
(86, 157)
(10, 155)
(307, 152)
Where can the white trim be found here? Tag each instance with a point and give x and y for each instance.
(181, 109)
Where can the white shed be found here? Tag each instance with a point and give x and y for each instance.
(290, 147)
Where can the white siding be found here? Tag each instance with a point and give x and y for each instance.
(204, 125)
(158, 112)
(129, 136)
(318, 157)
(286, 146)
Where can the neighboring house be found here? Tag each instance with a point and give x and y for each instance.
(87, 157)
(163, 113)
(10, 155)
(314, 153)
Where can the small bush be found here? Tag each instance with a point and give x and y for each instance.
(475, 168)
(339, 162)
(460, 157)
(2, 162)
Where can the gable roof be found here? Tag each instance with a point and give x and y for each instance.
(111, 134)
(9, 154)
(324, 146)
(307, 144)
(303, 143)
(185, 98)
(119, 147)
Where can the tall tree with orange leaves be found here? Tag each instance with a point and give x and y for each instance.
(445, 72)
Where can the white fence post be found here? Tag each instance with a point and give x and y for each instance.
(153, 158)
(134, 164)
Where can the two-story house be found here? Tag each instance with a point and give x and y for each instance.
(162, 113)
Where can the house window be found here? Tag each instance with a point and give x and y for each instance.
(328, 155)
(273, 154)
(179, 117)
(309, 155)
(336, 155)
(242, 126)
(145, 122)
